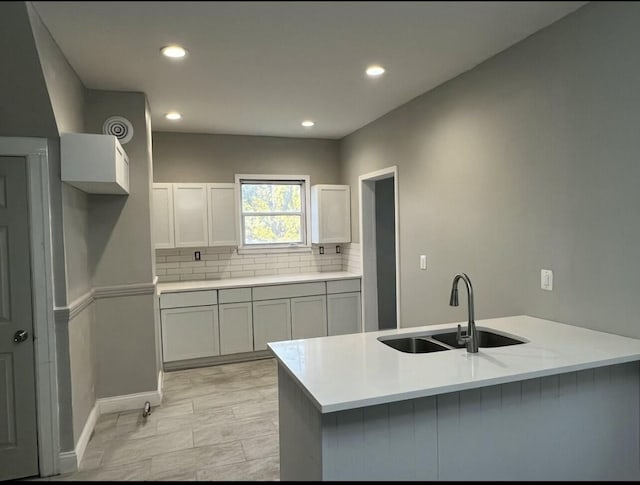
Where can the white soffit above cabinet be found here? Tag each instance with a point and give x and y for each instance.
(259, 68)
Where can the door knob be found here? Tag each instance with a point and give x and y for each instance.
(20, 336)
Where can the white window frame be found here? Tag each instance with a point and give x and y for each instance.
(305, 246)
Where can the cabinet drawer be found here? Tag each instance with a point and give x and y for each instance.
(188, 298)
(343, 286)
(234, 295)
(289, 291)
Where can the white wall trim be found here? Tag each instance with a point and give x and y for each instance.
(124, 290)
(36, 153)
(85, 436)
(129, 402)
(67, 313)
(67, 462)
(372, 177)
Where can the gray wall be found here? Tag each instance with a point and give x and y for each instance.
(24, 103)
(75, 347)
(386, 253)
(120, 253)
(528, 161)
(186, 157)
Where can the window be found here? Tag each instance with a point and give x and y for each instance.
(273, 211)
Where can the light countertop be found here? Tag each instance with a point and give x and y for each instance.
(352, 371)
(253, 281)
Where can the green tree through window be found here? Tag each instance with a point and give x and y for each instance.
(272, 212)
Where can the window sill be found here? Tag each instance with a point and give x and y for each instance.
(274, 250)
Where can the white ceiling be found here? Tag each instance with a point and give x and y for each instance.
(261, 68)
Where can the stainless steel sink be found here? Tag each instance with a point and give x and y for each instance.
(485, 339)
(436, 342)
(414, 345)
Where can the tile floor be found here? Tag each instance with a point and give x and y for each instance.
(215, 423)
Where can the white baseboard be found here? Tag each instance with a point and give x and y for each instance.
(85, 436)
(129, 402)
(67, 462)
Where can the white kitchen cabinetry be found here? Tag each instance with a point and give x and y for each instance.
(162, 213)
(190, 215)
(330, 214)
(271, 322)
(96, 164)
(344, 313)
(190, 333)
(309, 317)
(236, 321)
(221, 200)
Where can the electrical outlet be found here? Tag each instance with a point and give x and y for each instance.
(196, 256)
(321, 249)
(546, 279)
(338, 249)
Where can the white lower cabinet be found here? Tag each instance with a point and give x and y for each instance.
(344, 313)
(190, 333)
(236, 328)
(309, 317)
(271, 322)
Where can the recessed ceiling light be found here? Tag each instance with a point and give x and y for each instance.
(173, 116)
(308, 123)
(174, 51)
(375, 71)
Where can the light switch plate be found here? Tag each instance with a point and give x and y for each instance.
(546, 279)
(423, 261)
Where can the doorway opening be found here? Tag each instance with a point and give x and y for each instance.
(380, 256)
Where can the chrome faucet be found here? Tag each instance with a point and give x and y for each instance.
(471, 336)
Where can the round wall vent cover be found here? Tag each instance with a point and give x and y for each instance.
(119, 127)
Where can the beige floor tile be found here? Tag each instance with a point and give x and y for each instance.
(260, 469)
(255, 408)
(236, 430)
(91, 459)
(134, 471)
(194, 458)
(261, 446)
(129, 451)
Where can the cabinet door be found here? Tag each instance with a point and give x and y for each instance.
(236, 328)
(162, 213)
(190, 215)
(222, 214)
(331, 213)
(309, 317)
(190, 333)
(344, 313)
(271, 322)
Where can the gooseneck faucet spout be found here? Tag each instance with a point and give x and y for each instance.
(471, 337)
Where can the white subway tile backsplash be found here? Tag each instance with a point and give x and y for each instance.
(225, 262)
(241, 274)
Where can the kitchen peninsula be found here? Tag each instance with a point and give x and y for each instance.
(353, 408)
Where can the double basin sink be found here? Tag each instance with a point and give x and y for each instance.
(446, 340)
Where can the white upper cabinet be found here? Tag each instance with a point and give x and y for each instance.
(222, 214)
(190, 215)
(96, 164)
(162, 213)
(330, 214)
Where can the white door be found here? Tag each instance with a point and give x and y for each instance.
(190, 215)
(309, 316)
(236, 328)
(18, 438)
(344, 313)
(190, 333)
(162, 212)
(271, 322)
(222, 214)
